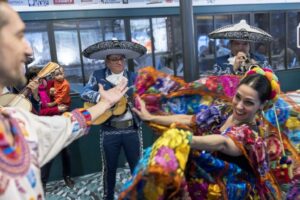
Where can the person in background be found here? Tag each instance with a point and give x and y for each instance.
(60, 101)
(40, 99)
(261, 49)
(239, 56)
(240, 36)
(123, 131)
(46, 95)
(62, 89)
(34, 97)
(28, 141)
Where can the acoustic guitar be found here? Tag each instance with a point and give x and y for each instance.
(20, 100)
(118, 109)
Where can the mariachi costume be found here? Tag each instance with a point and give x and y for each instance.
(269, 167)
(118, 131)
(242, 32)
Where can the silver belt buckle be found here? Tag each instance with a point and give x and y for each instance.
(122, 124)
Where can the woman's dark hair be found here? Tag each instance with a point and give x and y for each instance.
(259, 83)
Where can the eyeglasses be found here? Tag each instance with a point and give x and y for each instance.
(116, 59)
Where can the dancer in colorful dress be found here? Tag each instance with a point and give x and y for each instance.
(228, 159)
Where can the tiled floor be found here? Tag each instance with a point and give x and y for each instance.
(86, 187)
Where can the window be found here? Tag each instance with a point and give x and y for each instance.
(278, 45)
(177, 45)
(68, 53)
(261, 20)
(238, 17)
(90, 33)
(222, 45)
(140, 33)
(162, 52)
(205, 45)
(114, 28)
(37, 35)
(292, 52)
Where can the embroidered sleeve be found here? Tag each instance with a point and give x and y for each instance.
(251, 145)
(51, 134)
(90, 91)
(81, 119)
(209, 119)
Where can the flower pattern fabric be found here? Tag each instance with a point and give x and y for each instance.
(208, 99)
(37, 140)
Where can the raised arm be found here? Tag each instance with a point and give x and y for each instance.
(144, 114)
(215, 143)
(108, 99)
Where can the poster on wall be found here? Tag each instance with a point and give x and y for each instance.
(60, 2)
(37, 3)
(18, 2)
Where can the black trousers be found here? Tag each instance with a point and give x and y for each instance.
(111, 145)
(66, 165)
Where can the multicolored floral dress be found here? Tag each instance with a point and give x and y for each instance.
(174, 173)
(267, 153)
(214, 175)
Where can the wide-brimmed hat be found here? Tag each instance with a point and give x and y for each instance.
(241, 31)
(114, 47)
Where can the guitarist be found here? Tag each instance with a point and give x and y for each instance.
(118, 131)
(28, 141)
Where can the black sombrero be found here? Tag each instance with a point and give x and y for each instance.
(102, 49)
(241, 31)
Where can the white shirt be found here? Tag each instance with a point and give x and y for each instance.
(115, 79)
(5, 90)
(43, 138)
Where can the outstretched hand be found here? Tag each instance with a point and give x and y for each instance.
(142, 112)
(113, 95)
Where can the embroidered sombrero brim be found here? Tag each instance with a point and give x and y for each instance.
(241, 31)
(100, 50)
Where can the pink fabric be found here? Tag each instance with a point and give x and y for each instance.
(49, 111)
(44, 99)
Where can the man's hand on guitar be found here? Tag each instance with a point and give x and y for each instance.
(113, 95)
(33, 86)
(108, 98)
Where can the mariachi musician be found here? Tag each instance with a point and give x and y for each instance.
(118, 131)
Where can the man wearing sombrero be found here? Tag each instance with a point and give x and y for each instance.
(240, 36)
(118, 131)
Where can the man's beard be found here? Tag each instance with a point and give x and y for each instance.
(7, 80)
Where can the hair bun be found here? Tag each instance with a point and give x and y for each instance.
(273, 79)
